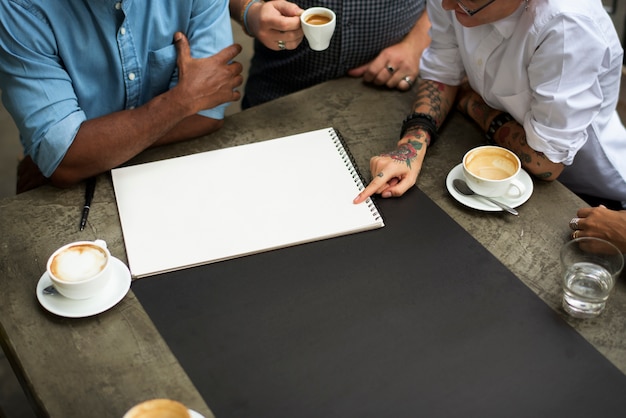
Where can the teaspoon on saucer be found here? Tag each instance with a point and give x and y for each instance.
(464, 189)
(50, 290)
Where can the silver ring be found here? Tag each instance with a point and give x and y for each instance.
(573, 224)
(408, 81)
(281, 45)
(390, 69)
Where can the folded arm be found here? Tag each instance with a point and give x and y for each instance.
(105, 142)
(510, 135)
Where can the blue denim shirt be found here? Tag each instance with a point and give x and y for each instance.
(65, 61)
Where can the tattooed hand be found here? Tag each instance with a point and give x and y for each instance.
(396, 171)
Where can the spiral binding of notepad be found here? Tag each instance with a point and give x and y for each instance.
(350, 162)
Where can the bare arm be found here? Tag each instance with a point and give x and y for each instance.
(108, 141)
(396, 171)
(511, 135)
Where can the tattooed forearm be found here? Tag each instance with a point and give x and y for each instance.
(434, 99)
(512, 136)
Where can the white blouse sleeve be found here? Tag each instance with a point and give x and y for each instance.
(442, 61)
(565, 80)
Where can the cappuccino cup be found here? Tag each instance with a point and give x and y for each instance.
(158, 408)
(492, 171)
(81, 269)
(318, 25)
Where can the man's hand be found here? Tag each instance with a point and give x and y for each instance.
(275, 21)
(204, 83)
(390, 67)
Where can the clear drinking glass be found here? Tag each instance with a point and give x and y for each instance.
(590, 268)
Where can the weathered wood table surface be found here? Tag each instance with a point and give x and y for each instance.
(106, 363)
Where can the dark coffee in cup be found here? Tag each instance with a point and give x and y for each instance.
(317, 19)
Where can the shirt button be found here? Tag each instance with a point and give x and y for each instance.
(118, 5)
(131, 76)
(123, 31)
(479, 62)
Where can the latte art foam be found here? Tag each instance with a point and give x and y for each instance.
(79, 262)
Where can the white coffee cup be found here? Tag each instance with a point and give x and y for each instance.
(81, 269)
(318, 25)
(493, 171)
(158, 408)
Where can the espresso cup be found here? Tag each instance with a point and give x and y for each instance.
(158, 408)
(318, 25)
(81, 269)
(492, 171)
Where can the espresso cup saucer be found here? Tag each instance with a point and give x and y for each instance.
(115, 290)
(478, 203)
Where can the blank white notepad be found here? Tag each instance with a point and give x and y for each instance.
(232, 202)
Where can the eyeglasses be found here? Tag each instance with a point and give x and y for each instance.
(470, 12)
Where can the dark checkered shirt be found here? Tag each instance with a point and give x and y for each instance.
(364, 28)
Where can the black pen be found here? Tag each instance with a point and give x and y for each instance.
(89, 189)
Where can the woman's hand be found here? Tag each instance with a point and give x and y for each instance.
(396, 172)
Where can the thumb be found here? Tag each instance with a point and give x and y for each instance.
(182, 47)
(288, 9)
(359, 71)
(227, 54)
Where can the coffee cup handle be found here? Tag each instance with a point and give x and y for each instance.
(101, 243)
(516, 189)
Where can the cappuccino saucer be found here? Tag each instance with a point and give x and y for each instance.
(483, 204)
(115, 290)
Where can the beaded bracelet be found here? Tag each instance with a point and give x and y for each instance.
(422, 121)
(244, 15)
(496, 124)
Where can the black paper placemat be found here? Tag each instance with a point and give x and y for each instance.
(416, 319)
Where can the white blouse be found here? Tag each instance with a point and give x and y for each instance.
(556, 68)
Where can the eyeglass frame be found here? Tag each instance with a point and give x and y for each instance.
(470, 12)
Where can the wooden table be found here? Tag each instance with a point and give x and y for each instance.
(107, 363)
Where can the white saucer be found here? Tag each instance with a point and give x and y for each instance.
(483, 204)
(194, 414)
(114, 292)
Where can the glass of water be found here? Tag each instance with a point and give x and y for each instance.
(590, 266)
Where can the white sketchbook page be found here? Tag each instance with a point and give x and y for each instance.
(236, 201)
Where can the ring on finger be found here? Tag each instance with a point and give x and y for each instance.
(281, 45)
(573, 224)
(390, 69)
(408, 80)
(575, 234)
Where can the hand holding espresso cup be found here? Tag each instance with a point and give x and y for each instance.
(492, 171)
(318, 25)
(80, 270)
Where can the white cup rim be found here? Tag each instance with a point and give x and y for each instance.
(318, 10)
(72, 244)
(506, 150)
